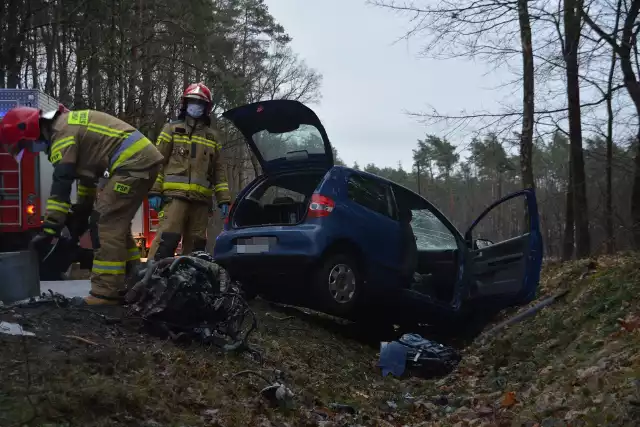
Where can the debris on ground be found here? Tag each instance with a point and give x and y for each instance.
(14, 329)
(191, 297)
(576, 362)
(423, 357)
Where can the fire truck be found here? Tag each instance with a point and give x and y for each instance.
(25, 186)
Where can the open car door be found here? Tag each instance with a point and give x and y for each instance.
(505, 273)
(283, 135)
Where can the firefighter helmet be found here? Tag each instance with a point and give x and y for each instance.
(199, 92)
(21, 126)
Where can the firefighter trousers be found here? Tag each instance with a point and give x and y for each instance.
(115, 251)
(180, 218)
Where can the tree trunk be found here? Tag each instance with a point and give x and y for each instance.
(33, 61)
(64, 92)
(572, 38)
(608, 205)
(52, 41)
(3, 65)
(14, 45)
(526, 136)
(632, 85)
(569, 227)
(78, 95)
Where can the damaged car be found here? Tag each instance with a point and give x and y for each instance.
(340, 240)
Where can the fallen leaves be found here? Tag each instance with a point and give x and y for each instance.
(630, 323)
(509, 399)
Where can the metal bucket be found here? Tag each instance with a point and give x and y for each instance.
(19, 276)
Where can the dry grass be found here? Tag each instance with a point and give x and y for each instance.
(570, 363)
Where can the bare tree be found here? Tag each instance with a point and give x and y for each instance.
(624, 49)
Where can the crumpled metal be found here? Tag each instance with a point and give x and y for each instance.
(193, 296)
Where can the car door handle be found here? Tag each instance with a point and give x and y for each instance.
(504, 259)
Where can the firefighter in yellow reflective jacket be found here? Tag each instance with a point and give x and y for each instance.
(193, 170)
(85, 146)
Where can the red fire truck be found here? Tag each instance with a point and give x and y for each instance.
(25, 187)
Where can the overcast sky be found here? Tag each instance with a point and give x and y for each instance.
(368, 81)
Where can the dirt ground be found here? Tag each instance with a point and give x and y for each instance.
(575, 363)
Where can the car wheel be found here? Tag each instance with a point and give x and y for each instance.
(338, 285)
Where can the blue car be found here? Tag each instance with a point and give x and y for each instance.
(339, 240)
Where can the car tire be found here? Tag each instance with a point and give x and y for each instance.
(338, 285)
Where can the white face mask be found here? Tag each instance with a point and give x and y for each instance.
(195, 110)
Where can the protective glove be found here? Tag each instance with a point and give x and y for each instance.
(155, 202)
(78, 220)
(42, 241)
(224, 210)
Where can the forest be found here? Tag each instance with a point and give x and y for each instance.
(572, 133)
(569, 127)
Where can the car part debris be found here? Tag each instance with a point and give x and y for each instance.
(526, 313)
(422, 357)
(192, 298)
(14, 329)
(276, 392)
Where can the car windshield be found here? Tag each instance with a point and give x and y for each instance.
(305, 140)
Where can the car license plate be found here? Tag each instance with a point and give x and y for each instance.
(254, 245)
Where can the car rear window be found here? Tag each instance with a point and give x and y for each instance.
(371, 194)
(277, 145)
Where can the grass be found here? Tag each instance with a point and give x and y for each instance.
(571, 364)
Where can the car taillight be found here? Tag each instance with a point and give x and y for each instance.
(320, 206)
(226, 219)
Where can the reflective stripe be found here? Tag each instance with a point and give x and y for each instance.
(133, 254)
(198, 140)
(130, 146)
(163, 137)
(160, 178)
(223, 186)
(62, 143)
(182, 183)
(109, 267)
(107, 131)
(49, 230)
(55, 205)
(85, 191)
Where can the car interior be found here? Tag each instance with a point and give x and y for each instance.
(278, 200)
(426, 253)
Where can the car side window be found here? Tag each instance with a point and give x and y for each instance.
(431, 233)
(371, 194)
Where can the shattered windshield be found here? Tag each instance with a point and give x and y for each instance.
(430, 232)
(277, 145)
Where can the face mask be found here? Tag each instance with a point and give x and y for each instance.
(195, 110)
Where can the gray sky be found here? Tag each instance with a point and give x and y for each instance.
(368, 81)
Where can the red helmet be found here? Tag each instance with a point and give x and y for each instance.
(200, 92)
(21, 125)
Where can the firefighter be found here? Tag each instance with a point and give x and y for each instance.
(86, 146)
(193, 170)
